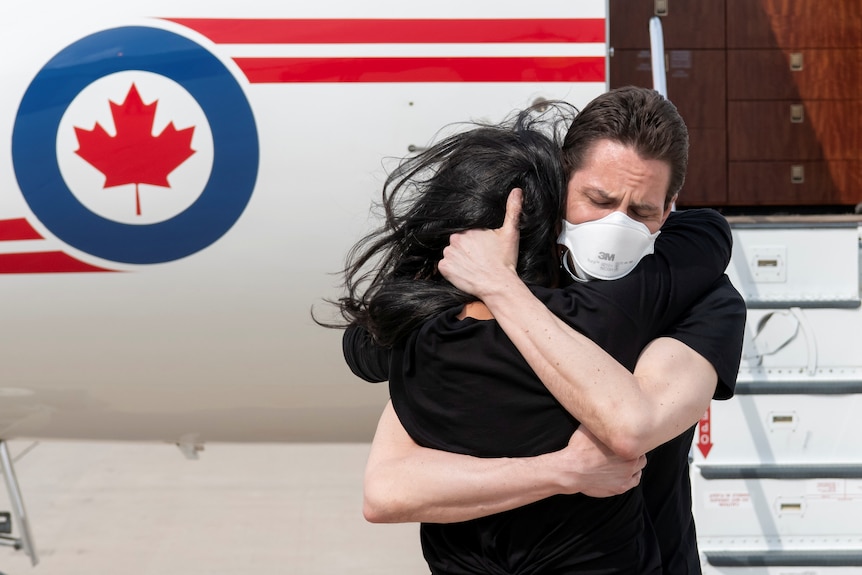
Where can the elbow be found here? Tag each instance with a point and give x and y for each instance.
(378, 503)
(629, 440)
(373, 509)
(627, 447)
(374, 512)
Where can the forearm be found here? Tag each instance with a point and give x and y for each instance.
(602, 394)
(397, 492)
(631, 413)
(405, 482)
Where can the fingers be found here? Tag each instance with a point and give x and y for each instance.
(513, 210)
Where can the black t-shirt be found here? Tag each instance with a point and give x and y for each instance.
(463, 387)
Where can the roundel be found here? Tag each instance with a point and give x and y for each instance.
(136, 145)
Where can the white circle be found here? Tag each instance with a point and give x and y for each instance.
(172, 105)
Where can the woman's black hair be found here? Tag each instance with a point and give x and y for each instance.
(462, 182)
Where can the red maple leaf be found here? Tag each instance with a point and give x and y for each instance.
(135, 155)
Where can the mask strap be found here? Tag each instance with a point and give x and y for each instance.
(564, 263)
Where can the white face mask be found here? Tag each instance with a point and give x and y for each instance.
(605, 249)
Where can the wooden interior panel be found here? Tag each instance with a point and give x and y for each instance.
(762, 130)
(794, 24)
(695, 82)
(728, 64)
(706, 180)
(831, 74)
(769, 183)
(688, 24)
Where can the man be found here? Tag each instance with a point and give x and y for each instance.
(626, 153)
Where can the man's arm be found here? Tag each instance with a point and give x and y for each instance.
(406, 482)
(631, 413)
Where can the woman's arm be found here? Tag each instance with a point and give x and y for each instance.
(406, 482)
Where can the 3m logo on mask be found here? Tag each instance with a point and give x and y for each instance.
(606, 256)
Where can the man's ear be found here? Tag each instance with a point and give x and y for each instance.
(671, 206)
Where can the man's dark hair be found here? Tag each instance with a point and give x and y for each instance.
(640, 118)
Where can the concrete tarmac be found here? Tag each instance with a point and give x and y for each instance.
(145, 509)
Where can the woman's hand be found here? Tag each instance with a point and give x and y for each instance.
(594, 470)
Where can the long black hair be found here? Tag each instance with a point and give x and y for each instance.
(462, 182)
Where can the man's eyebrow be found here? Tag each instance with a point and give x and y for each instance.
(601, 193)
(645, 207)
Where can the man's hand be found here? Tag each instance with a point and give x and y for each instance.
(595, 470)
(482, 262)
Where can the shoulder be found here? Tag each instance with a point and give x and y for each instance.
(696, 233)
(704, 219)
(363, 356)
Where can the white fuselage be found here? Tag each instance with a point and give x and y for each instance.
(215, 342)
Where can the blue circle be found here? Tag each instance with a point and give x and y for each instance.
(234, 133)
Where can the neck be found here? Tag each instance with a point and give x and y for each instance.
(476, 310)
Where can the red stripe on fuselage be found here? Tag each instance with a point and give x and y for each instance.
(44, 263)
(446, 69)
(16, 230)
(396, 31)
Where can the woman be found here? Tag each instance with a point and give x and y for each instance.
(457, 382)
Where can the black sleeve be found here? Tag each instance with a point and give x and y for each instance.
(691, 253)
(713, 327)
(365, 358)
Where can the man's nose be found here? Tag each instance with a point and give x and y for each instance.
(623, 204)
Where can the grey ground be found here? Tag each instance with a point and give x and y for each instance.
(144, 509)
